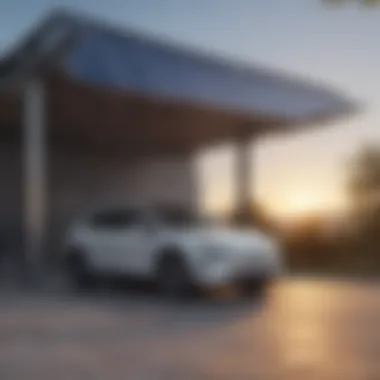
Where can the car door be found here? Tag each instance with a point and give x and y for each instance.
(107, 227)
(121, 242)
(134, 246)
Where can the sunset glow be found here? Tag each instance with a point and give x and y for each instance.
(303, 203)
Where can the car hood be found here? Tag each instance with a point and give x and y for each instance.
(225, 238)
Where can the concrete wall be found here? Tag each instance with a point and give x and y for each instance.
(81, 182)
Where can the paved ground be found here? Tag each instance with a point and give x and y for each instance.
(308, 329)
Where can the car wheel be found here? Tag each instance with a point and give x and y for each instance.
(255, 287)
(79, 273)
(173, 277)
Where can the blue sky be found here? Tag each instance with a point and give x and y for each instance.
(336, 46)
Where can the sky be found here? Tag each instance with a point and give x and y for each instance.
(338, 46)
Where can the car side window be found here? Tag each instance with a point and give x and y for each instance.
(115, 219)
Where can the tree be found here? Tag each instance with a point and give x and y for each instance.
(364, 177)
(364, 192)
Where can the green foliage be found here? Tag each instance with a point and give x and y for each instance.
(364, 175)
(364, 191)
(356, 249)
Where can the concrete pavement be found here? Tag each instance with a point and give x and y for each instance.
(307, 329)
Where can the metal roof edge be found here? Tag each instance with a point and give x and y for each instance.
(210, 57)
(78, 19)
(81, 19)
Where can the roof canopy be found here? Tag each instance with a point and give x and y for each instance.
(107, 84)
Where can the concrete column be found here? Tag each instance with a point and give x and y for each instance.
(244, 180)
(34, 173)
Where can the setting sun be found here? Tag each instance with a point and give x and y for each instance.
(303, 203)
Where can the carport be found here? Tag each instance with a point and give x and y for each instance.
(91, 114)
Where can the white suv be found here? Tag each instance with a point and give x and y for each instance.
(170, 246)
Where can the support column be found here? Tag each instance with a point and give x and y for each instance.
(244, 197)
(34, 174)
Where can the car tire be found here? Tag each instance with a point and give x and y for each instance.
(254, 288)
(173, 277)
(79, 272)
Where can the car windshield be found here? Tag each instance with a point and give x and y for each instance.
(177, 217)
